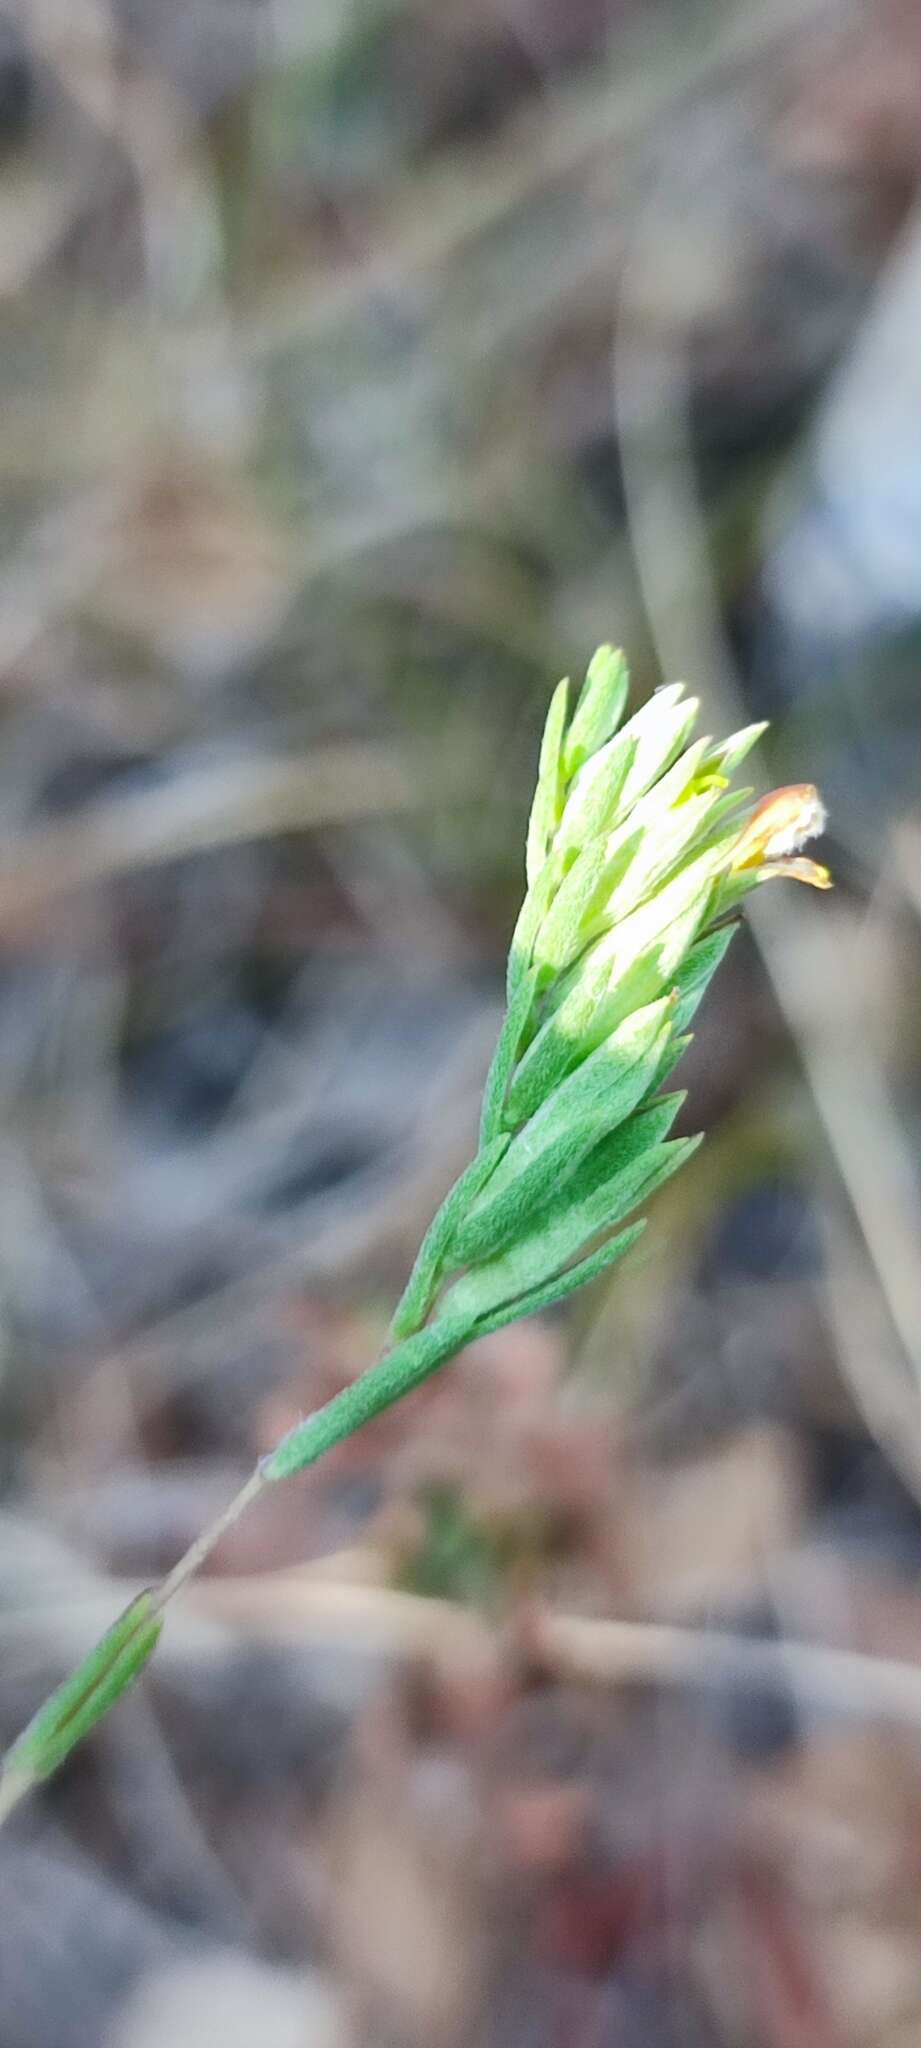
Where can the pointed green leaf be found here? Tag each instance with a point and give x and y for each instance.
(671, 1058)
(595, 794)
(735, 806)
(547, 1250)
(661, 730)
(548, 796)
(599, 710)
(697, 971)
(607, 968)
(393, 1376)
(663, 848)
(75, 1707)
(417, 1297)
(533, 911)
(611, 1181)
(505, 1056)
(611, 877)
(730, 754)
(621, 772)
(642, 1133)
(549, 1149)
(577, 905)
(540, 1298)
(669, 789)
(629, 967)
(602, 886)
(601, 1088)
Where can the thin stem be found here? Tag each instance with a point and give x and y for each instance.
(377, 1388)
(197, 1552)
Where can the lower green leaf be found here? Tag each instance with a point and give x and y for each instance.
(435, 1250)
(117, 1660)
(540, 1298)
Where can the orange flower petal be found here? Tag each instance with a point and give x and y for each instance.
(779, 825)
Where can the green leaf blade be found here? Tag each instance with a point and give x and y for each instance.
(548, 796)
(540, 1298)
(616, 1178)
(435, 1250)
(547, 1152)
(75, 1706)
(600, 708)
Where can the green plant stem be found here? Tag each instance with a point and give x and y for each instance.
(102, 1677)
(394, 1375)
(203, 1545)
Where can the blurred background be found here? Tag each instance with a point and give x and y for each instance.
(363, 363)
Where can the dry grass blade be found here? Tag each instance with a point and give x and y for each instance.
(203, 809)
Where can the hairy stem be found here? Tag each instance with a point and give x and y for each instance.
(394, 1375)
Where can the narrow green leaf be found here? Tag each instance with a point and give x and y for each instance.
(548, 796)
(611, 876)
(540, 1298)
(611, 1181)
(673, 1156)
(661, 729)
(544, 1155)
(601, 1088)
(531, 916)
(599, 710)
(75, 1707)
(725, 758)
(732, 805)
(616, 777)
(581, 895)
(629, 967)
(697, 971)
(646, 1129)
(664, 846)
(507, 1051)
(671, 1058)
(607, 968)
(595, 793)
(435, 1249)
(393, 1376)
(671, 788)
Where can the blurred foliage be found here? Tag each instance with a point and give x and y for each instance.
(462, 1553)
